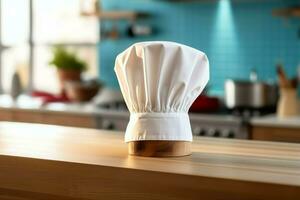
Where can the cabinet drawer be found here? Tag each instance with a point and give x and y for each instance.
(280, 134)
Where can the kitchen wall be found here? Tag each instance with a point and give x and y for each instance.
(237, 36)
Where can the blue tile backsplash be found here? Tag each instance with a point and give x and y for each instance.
(237, 36)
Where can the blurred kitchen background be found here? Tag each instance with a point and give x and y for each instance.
(57, 59)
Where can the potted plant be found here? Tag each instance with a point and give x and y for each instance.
(69, 66)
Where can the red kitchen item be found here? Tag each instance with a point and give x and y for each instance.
(205, 104)
(50, 98)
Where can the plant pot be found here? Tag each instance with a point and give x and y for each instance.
(81, 91)
(65, 75)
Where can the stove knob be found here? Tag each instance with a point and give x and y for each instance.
(231, 134)
(196, 130)
(108, 125)
(199, 131)
(217, 133)
(225, 133)
(202, 132)
(211, 132)
(228, 134)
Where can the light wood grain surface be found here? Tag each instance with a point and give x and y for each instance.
(275, 121)
(53, 162)
(280, 134)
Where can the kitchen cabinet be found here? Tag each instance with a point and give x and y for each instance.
(272, 128)
(47, 117)
(6, 115)
(280, 134)
(31, 110)
(76, 163)
(70, 120)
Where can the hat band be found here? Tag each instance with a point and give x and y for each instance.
(158, 126)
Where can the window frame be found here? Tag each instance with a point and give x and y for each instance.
(32, 45)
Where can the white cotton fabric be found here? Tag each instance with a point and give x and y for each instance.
(159, 82)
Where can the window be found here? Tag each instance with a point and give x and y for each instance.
(30, 28)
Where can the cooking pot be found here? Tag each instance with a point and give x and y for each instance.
(250, 94)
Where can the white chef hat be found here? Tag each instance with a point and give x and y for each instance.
(159, 82)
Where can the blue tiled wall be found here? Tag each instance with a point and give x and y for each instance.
(237, 37)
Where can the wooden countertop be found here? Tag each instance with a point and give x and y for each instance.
(34, 105)
(53, 162)
(274, 121)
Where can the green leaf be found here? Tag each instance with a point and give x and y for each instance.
(63, 59)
